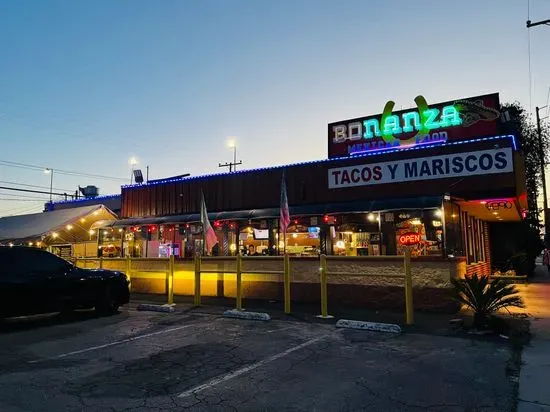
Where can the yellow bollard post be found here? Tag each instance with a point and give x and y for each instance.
(128, 269)
(170, 285)
(197, 299)
(287, 283)
(408, 288)
(101, 263)
(324, 298)
(239, 270)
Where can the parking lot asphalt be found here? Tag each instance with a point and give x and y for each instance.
(196, 360)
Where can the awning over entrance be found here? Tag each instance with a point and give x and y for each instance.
(493, 210)
(67, 225)
(378, 205)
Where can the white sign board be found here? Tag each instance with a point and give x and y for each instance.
(483, 162)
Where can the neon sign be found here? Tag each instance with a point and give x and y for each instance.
(422, 121)
(461, 119)
(409, 239)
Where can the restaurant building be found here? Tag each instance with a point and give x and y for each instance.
(447, 171)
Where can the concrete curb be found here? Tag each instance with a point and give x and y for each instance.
(239, 314)
(372, 326)
(156, 308)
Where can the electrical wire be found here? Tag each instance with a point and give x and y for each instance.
(7, 199)
(529, 58)
(14, 195)
(58, 171)
(36, 186)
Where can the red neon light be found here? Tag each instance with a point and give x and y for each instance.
(409, 238)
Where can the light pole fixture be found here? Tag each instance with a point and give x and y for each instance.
(232, 165)
(49, 171)
(133, 161)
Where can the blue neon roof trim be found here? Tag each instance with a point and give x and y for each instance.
(86, 199)
(358, 156)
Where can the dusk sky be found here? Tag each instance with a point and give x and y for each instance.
(85, 85)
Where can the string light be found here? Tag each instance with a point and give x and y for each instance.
(420, 146)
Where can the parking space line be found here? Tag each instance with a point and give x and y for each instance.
(106, 345)
(246, 369)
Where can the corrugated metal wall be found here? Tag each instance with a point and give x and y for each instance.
(306, 184)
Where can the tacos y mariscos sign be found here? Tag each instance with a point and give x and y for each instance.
(425, 168)
(453, 120)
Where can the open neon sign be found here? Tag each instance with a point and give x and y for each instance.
(421, 121)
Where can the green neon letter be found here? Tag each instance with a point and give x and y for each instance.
(391, 125)
(450, 117)
(370, 126)
(429, 118)
(411, 117)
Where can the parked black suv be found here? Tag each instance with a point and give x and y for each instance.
(34, 281)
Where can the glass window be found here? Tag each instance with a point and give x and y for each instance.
(453, 230)
(40, 262)
(377, 233)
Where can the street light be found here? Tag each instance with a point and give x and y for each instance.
(49, 171)
(233, 145)
(133, 162)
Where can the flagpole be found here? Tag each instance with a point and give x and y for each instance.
(284, 247)
(203, 241)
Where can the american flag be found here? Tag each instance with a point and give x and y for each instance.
(210, 237)
(285, 213)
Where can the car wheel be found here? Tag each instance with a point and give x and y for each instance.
(107, 304)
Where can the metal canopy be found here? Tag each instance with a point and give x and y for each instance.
(378, 205)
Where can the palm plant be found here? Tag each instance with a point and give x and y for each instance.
(484, 297)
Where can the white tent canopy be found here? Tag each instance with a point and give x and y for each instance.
(37, 225)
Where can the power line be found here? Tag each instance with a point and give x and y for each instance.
(58, 171)
(28, 185)
(35, 191)
(23, 196)
(529, 57)
(15, 199)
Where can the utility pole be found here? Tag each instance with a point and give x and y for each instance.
(232, 165)
(543, 170)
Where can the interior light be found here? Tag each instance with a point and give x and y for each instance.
(69, 227)
(233, 247)
(82, 220)
(30, 243)
(495, 213)
(371, 217)
(295, 235)
(54, 235)
(340, 244)
(483, 202)
(120, 230)
(416, 222)
(91, 232)
(438, 212)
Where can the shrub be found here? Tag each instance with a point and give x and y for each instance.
(484, 297)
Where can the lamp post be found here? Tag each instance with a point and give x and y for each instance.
(542, 158)
(49, 171)
(133, 162)
(233, 145)
(232, 165)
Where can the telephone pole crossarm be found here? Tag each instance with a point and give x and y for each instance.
(537, 23)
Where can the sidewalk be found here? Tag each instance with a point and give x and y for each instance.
(534, 392)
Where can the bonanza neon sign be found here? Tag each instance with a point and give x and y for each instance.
(422, 121)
